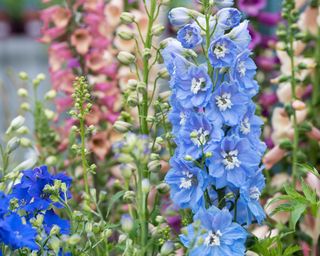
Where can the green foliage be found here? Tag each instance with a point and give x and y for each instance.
(273, 246)
(297, 203)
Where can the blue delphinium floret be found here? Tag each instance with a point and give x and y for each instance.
(187, 184)
(250, 127)
(16, 234)
(228, 18)
(233, 161)
(249, 207)
(190, 36)
(222, 52)
(240, 36)
(243, 71)
(194, 89)
(30, 191)
(198, 136)
(51, 218)
(214, 233)
(227, 105)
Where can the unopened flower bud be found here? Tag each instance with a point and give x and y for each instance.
(208, 154)
(160, 219)
(49, 114)
(13, 144)
(54, 244)
(127, 18)
(51, 160)
(146, 53)
(25, 142)
(126, 58)
(129, 196)
(23, 92)
(23, 130)
(126, 223)
(167, 248)
(125, 35)
(163, 188)
(23, 76)
(180, 16)
(74, 239)
(145, 186)
(50, 95)
(132, 84)
(41, 77)
(54, 230)
(142, 87)
(122, 126)
(188, 158)
(163, 73)
(17, 122)
(25, 106)
(154, 166)
(157, 30)
(122, 238)
(107, 233)
(102, 195)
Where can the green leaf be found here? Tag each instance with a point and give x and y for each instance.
(291, 250)
(114, 199)
(296, 214)
(308, 168)
(285, 207)
(309, 193)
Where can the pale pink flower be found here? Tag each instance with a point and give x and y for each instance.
(81, 40)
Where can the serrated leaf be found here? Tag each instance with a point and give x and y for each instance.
(308, 168)
(114, 199)
(296, 214)
(291, 250)
(309, 193)
(286, 207)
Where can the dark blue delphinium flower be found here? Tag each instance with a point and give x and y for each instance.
(198, 136)
(16, 234)
(233, 161)
(193, 89)
(249, 207)
(243, 71)
(30, 191)
(222, 52)
(187, 184)
(4, 204)
(51, 219)
(250, 127)
(228, 18)
(214, 233)
(227, 106)
(190, 36)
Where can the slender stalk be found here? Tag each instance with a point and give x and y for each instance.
(294, 97)
(83, 154)
(146, 67)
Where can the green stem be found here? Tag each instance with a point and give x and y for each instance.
(294, 97)
(146, 68)
(208, 37)
(83, 153)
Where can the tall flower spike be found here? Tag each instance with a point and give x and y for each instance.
(217, 133)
